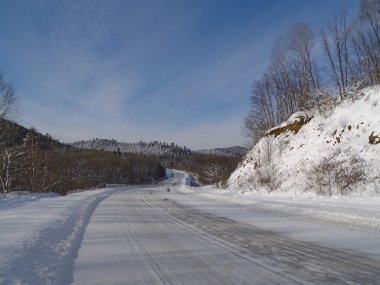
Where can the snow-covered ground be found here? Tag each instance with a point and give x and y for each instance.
(46, 239)
(360, 211)
(151, 235)
(336, 152)
(41, 233)
(323, 220)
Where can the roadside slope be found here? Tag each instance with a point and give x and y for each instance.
(336, 153)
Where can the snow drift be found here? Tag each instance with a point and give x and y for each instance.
(335, 151)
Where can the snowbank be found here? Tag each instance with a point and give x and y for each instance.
(359, 212)
(41, 234)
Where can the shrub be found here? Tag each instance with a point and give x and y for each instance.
(335, 176)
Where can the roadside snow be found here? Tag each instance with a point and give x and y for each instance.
(41, 233)
(339, 222)
(359, 212)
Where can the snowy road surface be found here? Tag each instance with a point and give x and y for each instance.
(141, 236)
(146, 235)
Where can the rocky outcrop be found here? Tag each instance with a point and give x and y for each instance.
(293, 124)
(374, 138)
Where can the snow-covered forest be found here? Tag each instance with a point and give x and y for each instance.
(154, 148)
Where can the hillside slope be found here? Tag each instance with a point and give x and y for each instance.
(336, 152)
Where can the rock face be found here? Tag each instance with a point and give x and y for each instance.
(293, 124)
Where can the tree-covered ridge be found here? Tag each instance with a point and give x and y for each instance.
(209, 166)
(30, 161)
(155, 148)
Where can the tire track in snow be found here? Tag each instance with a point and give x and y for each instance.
(161, 209)
(295, 258)
(153, 265)
(178, 223)
(50, 258)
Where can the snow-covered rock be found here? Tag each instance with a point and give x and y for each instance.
(294, 123)
(334, 153)
(300, 117)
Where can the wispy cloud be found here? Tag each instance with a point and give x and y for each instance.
(143, 70)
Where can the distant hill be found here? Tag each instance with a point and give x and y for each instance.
(14, 134)
(155, 148)
(34, 162)
(237, 151)
(148, 148)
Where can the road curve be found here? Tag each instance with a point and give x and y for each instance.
(138, 237)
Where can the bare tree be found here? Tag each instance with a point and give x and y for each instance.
(213, 172)
(301, 43)
(33, 160)
(8, 100)
(281, 73)
(8, 111)
(366, 43)
(335, 41)
(6, 177)
(8, 108)
(286, 87)
(262, 114)
(370, 13)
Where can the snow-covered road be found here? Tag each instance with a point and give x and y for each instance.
(135, 237)
(142, 236)
(146, 235)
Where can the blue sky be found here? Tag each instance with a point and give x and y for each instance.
(173, 70)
